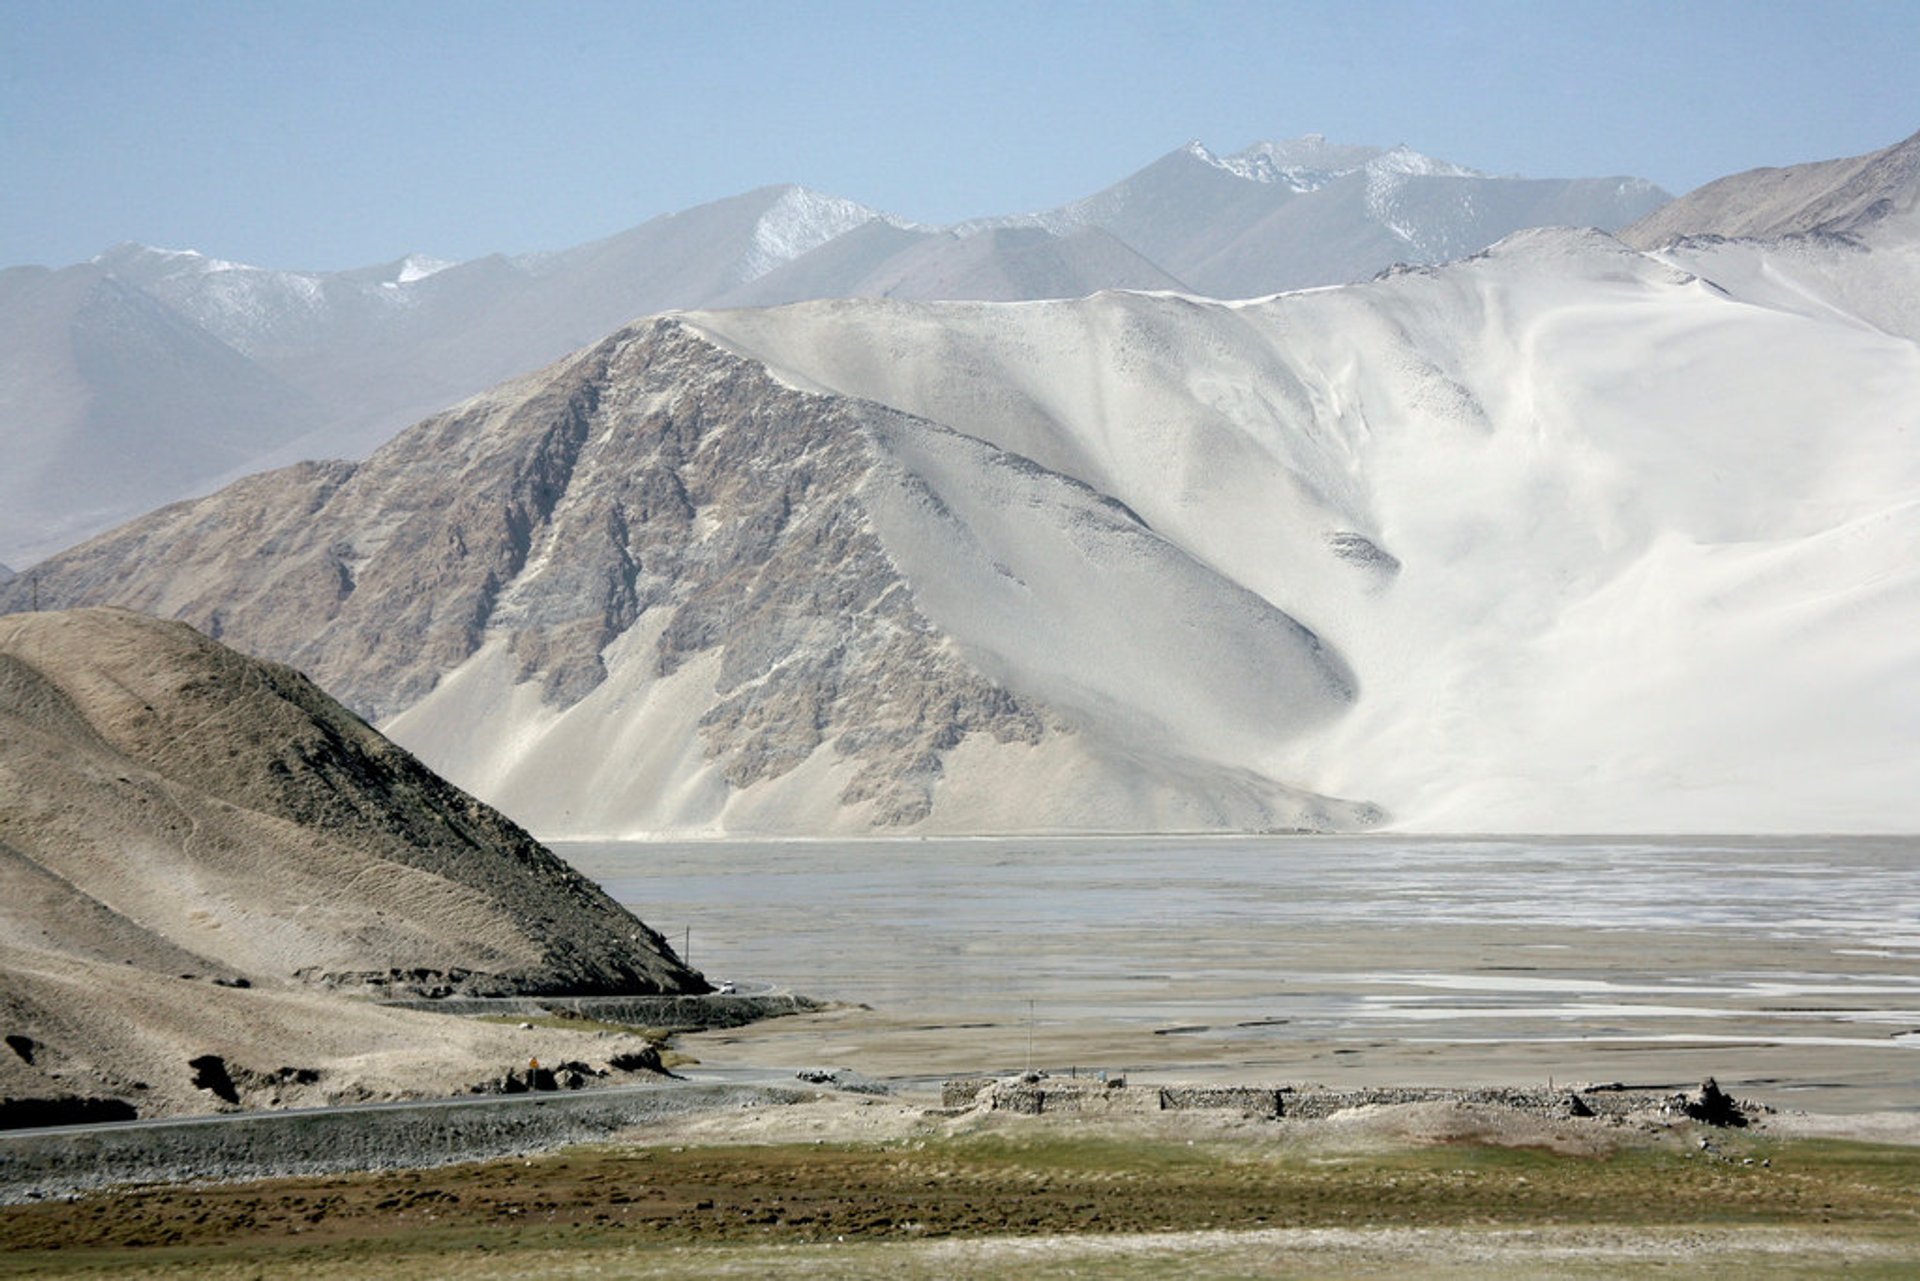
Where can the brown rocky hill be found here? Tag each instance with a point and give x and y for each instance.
(206, 864)
(173, 805)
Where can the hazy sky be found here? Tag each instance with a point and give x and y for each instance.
(327, 135)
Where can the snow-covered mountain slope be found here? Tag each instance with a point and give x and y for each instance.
(1838, 240)
(1560, 537)
(653, 589)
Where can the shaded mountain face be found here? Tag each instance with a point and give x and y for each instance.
(184, 371)
(1561, 537)
(175, 806)
(1832, 197)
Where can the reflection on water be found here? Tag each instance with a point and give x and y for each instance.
(1813, 940)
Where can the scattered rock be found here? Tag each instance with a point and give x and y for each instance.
(843, 1079)
(210, 1074)
(1713, 1106)
(647, 1060)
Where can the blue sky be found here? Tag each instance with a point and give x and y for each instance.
(326, 135)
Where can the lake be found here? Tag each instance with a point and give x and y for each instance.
(1790, 966)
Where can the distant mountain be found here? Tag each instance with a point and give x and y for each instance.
(110, 400)
(993, 264)
(657, 523)
(202, 854)
(1558, 537)
(148, 375)
(1838, 239)
(1306, 212)
(177, 371)
(1833, 197)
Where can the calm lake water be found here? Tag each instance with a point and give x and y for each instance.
(1804, 952)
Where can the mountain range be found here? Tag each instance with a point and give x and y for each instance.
(147, 375)
(1565, 535)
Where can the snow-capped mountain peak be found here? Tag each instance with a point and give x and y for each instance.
(799, 221)
(419, 266)
(153, 262)
(1310, 162)
(1403, 159)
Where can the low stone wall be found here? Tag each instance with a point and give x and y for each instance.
(1314, 1104)
(1251, 1100)
(37, 1164)
(1051, 1095)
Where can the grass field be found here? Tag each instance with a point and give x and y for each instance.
(1039, 1201)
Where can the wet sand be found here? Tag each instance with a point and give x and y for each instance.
(1788, 969)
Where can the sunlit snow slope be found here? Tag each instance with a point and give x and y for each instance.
(1605, 547)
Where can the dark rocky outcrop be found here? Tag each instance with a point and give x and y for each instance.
(1713, 1106)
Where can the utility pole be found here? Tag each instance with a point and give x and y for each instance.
(686, 947)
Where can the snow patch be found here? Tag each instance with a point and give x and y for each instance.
(419, 267)
(798, 222)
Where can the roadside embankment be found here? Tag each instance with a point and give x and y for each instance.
(38, 1164)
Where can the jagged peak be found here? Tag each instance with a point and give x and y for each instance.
(1309, 162)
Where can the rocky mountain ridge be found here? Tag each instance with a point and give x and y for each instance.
(661, 507)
